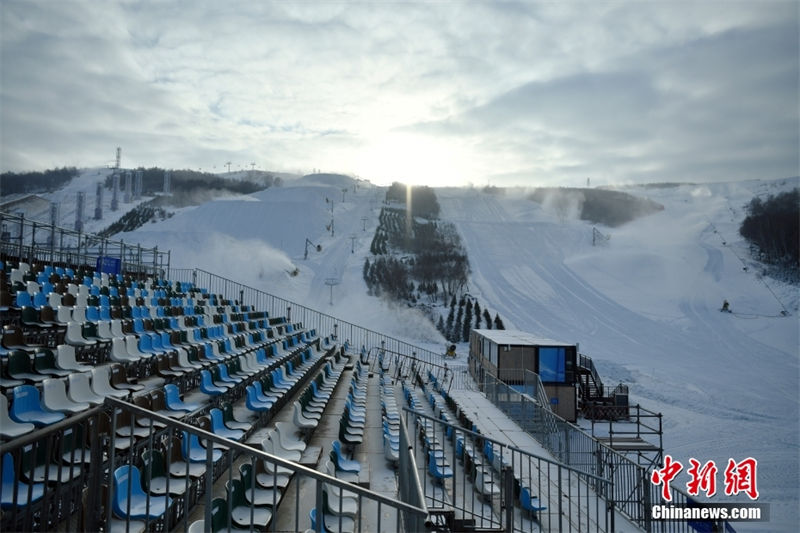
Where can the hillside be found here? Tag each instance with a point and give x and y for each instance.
(644, 306)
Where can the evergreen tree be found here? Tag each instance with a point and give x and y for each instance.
(365, 272)
(448, 332)
(440, 326)
(453, 301)
(467, 322)
(459, 325)
(487, 318)
(477, 315)
(498, 324)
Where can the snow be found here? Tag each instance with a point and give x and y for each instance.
(644, 305)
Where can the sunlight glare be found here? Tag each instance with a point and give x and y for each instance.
(413, 159)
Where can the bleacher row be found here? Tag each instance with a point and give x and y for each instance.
(483, 464)
(161, 341)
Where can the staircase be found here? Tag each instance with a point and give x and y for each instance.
(596, 401)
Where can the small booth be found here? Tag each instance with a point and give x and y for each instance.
(506, 354)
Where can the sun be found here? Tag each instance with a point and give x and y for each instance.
(413, 159)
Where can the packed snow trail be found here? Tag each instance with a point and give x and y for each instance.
(720, 388)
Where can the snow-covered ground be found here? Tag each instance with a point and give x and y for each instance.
(644, 306)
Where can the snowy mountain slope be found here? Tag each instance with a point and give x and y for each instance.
(644, 306)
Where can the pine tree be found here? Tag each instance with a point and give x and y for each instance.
(365, 272)
(467, 322)
(487, 318)
(498, 324)
(440, 326)
(477, 315)
(459, 325)
(448, 332)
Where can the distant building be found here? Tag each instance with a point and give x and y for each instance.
(506, 354)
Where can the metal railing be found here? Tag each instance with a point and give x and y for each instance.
(573, 499)
(409, 486)
(527, 382)
(293, 509)
(61, 506)
(32, 241)
(631, 491)
(344, 331)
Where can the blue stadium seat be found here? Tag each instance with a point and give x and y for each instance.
(128, 479)
(14, 489)
(27, 408)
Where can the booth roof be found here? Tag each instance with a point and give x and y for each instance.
(511, 337)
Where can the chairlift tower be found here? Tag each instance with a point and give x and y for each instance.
(81, 200)
(363, 223)
(128, 187)
(115, 191)
(137, 185)
(119, 158)
(332, 282)
(98, 203)
(352, 243)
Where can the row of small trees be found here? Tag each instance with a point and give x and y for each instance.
(433, 255)
(388, 275)
(468, 315)
(433, 264)
(136, 218)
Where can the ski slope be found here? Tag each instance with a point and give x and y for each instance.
(644, 306)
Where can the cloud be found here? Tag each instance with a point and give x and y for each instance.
(513, 92)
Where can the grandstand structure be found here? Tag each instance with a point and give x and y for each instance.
(151, 398)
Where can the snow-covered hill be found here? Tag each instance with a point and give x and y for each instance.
(644, 305)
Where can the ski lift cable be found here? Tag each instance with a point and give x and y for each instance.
(746, 269)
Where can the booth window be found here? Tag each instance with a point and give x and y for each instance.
(551, 364)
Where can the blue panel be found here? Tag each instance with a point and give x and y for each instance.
(552, 364)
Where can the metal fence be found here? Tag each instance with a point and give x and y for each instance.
(409, 486)
(573, 499)
(36, 242)
(81, 496)
(344, 331)
(631, 491)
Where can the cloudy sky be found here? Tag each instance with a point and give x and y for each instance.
(424, 92)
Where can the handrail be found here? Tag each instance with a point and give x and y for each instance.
(408, 464)
(506, 445)
(62, 245)
(242, 448)
(40, 433)
(276, 305)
